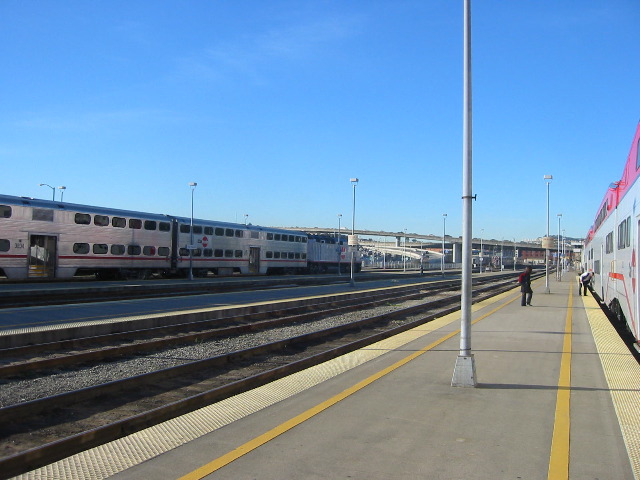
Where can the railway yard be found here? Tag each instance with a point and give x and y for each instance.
(73, 387)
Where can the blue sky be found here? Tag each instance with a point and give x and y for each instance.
(272, 106)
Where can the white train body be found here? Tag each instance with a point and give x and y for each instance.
(613, 243)
(41, 238)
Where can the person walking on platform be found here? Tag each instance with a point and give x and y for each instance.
(525, 286)
(585, 279)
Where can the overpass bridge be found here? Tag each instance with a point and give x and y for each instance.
(414, 244)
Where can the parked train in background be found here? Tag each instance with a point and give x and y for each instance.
(48, 239)
(613, 242)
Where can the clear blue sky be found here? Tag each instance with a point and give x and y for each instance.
(271, 106)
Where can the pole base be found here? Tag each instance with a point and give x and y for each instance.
(464, 373)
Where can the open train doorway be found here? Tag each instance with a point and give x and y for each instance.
(254, 260)
(43, 251)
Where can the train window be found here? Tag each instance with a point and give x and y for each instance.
(43, 214)
(220, 232)
(150, 225)
(5, 211)
(622, 235)
(197, 252)
(276, 254)
(101, 220)
(304, 256)
(269, 236)
(276, 236)
(5, 245)
(100, 248)
(297, 256)
(269, 254)
(228, 253)
(135, 223)
(238, 254)
(229, 232)
(134, 249)
(609, 243)
(184, 252)
(304, 240)
(164, 251)
(291, 255)
(117, 249)
(292, 238)
(207, 252)
(164, 226)
(208, 230)
(218, 253)
(255, 235)
(83, 219)
(239, 234)
(184, 228)
(197, 229)
(298, 239)
(81, 248)
(149, 251)
(118, 222)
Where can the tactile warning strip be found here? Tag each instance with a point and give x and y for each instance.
(622, 372)
(106, 460)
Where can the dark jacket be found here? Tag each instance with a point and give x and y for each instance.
(525, 282)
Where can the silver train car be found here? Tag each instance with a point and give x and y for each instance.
(613, 243)
(47, 239)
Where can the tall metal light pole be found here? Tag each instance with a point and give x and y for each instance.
(547, 179)
(404, 252)
(444, 234)
(558, 269)
(464, 373)
(62, 188)
(52, 189)
(246, 218)
(481, 249)
(339, 244)
(193, 186)
(354, 182)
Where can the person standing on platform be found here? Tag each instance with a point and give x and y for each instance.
(585, 279)
(525, 286)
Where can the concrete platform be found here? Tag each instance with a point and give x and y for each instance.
(557, 397)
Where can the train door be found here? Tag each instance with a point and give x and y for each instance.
(43, 251)
(254, 259)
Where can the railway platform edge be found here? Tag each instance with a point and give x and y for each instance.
(388, 410)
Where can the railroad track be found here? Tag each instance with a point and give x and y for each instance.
(42, 430)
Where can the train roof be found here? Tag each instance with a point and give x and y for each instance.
(76, 207)
(617, 190)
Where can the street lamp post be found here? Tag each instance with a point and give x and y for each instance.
(559, 270)
(354, 182)
(246, 218)
(62, 188)
(547, 179)
(404, 252)
(193, 186)
(444, 234)
(339, 244)
(481, 249)
(52, 189)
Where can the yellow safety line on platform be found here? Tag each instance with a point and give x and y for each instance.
(622, 373)
(260, 440)
(560, 443)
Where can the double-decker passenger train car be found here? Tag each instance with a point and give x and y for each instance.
(613, 243)
(42, 238)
